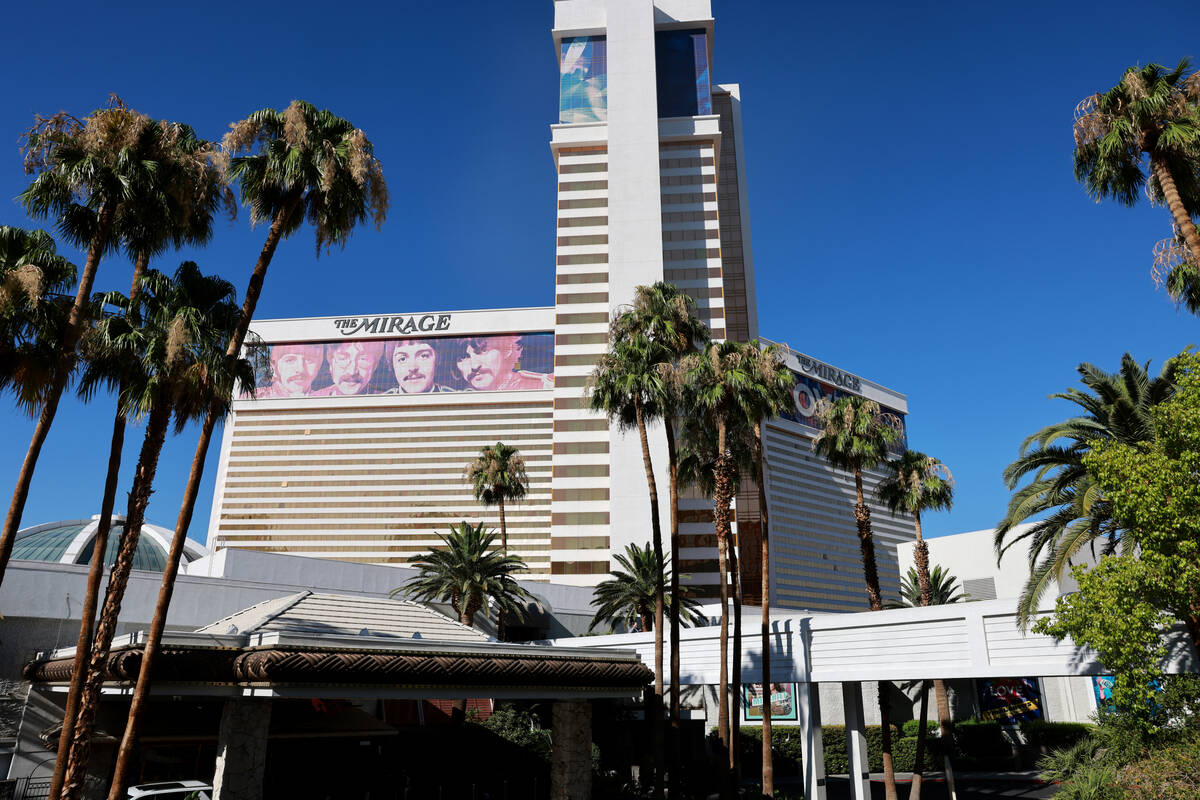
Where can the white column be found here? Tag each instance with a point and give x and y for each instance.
(813, 751)
(242, 749)
(856, 740)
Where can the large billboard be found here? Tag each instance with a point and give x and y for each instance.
(583, 80)
(498, 363)
(682, 65)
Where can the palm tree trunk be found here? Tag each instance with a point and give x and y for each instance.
(656, 532)
(159, 623)
(1183, 220)
(768, 765)
(862, 517)
(676, 726)
(945, 730)
(500, 626)
(735, 680)
(721, 525)
(96, 570)
(70, 338)
(914, 793)
(139, 497)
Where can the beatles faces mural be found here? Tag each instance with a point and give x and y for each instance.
(503, 363)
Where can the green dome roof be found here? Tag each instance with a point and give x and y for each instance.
(73, 542)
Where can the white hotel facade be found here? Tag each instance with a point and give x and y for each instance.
(651, 186)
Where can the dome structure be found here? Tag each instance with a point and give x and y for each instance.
(73, 541)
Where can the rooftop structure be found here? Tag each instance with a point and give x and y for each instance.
(73, 542)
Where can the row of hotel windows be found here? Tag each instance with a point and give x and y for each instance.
(580, 277)
(583, 202)
(582, 222)
(502, 408)
(582, 297)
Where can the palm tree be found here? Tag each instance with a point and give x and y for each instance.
(1145, 132)
(769, 396)
(629, 386)
(667, 317)
(497, 475)
(176, 338)
(467, 572)
(292, 165)
(86, 173)
(32, 313)
(175, 206)
(914, 483)
(629, 596)
(944, 588)
(1074, 515)
(855, 436)
(718, 383)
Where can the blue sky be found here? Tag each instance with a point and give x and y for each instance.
(913, 210)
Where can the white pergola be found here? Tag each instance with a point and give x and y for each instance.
(963, 640)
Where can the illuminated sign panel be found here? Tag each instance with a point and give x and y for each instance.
(417, 365)
(583, 80)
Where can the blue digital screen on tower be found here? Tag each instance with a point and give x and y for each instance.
(583, 79)
(684, 89)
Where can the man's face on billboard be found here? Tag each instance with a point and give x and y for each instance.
(351, 366)
(488, 361)
(415, 364)
(294, 369)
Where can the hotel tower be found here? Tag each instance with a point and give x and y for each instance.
(355, 444)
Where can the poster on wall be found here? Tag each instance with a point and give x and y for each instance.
(1102, 686)
(810, 394)
(783, 701)
(1010, 700)
(583, 80)
(504, 363)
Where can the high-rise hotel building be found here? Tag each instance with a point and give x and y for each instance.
(355, 444)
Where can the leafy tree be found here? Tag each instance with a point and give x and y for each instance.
(1145, 133)
(176, 339)
(1128, 601)
(629, 596)
(667, 317)
(855, 435)
(1074, 513)
(86, 173)
(466, 572)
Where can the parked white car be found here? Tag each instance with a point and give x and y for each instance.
(173, 790)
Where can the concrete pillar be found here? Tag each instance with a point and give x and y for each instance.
(242, 749)
(808, 707)
(856, 740)
(571, 755)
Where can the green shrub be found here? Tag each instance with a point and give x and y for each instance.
(904, 753)
(1171, 772)
(912, 726)
(1054, 734)
(522, 728)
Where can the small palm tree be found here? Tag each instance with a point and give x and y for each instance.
(628, 597)
(175, 343)
(467, 572)
(855, 436)
(497, 475)
(1070, 512)
(1145, 133)
(944, 588)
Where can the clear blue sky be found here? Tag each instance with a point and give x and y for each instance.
(914, 215)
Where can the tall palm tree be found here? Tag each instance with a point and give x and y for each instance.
(718, 383)
(667, 316)
(914, 483)
(629, 386)
(855, 436)
(769, 395)
(177, 338)
(1145, 132)
(86, 172)
(467, 572)
(1176, 270)
(175, 206)
(1073, 513)
(292, 165)
(629, 596)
